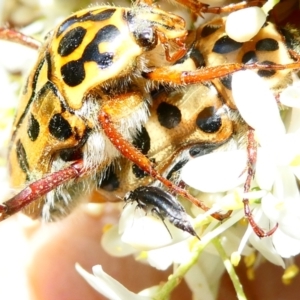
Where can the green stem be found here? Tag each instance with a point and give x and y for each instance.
(230, 270)
(174, 279)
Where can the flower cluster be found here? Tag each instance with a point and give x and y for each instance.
(218, 179)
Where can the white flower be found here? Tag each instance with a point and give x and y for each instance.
(252, 19)
(108, 286)
(148, 237)
(242, 25)
(277, 202)
(273, 173)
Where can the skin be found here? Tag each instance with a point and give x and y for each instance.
(38, 263)
(44, 255)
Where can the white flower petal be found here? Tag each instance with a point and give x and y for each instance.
(255, 101)
(198, 281)
(149, 292)
(287, 148)
(283, 206)
(292, 120)
(112, 244)
(146, 232)
(265, 246)
(252, 19)
(106, 285)
(265, 169)
(285, 245)
(286, 189)
(271, 206)
(289, 224)
(290, 96)
(216, 172)
(163, 258)
(296, 171)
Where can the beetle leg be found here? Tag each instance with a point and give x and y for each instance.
(197, 8)
(134, 155)
(12, 35)
(231, 7)
(166, 44)
(167, 75)
(172, 76)
(155, 211)
(251, 163)
(40, 188)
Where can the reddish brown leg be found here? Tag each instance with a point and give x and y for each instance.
(18, 37)
(134, 155)
(198, 8)
(252, 157)
(232, 7)
(194, 6)
(40, 188)
(295, 55)
(166, 75)
(179, 42)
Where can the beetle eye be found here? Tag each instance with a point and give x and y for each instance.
(146, 38)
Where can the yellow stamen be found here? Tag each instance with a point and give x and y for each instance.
(235, 258)
(289, 274)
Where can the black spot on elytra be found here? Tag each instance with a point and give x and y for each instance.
(142, 141)
(169, 116)
(226, 45)
(208, 121)
(208, 30)
(60, 127)
(89, 16)
(73, 72)
(226, 81)
(31, 98)
(138, 172)
(22, 158)
(266, 73)
(71, 40)
(91, 53)
(249, 57)
(33, 129)
(267, 44)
